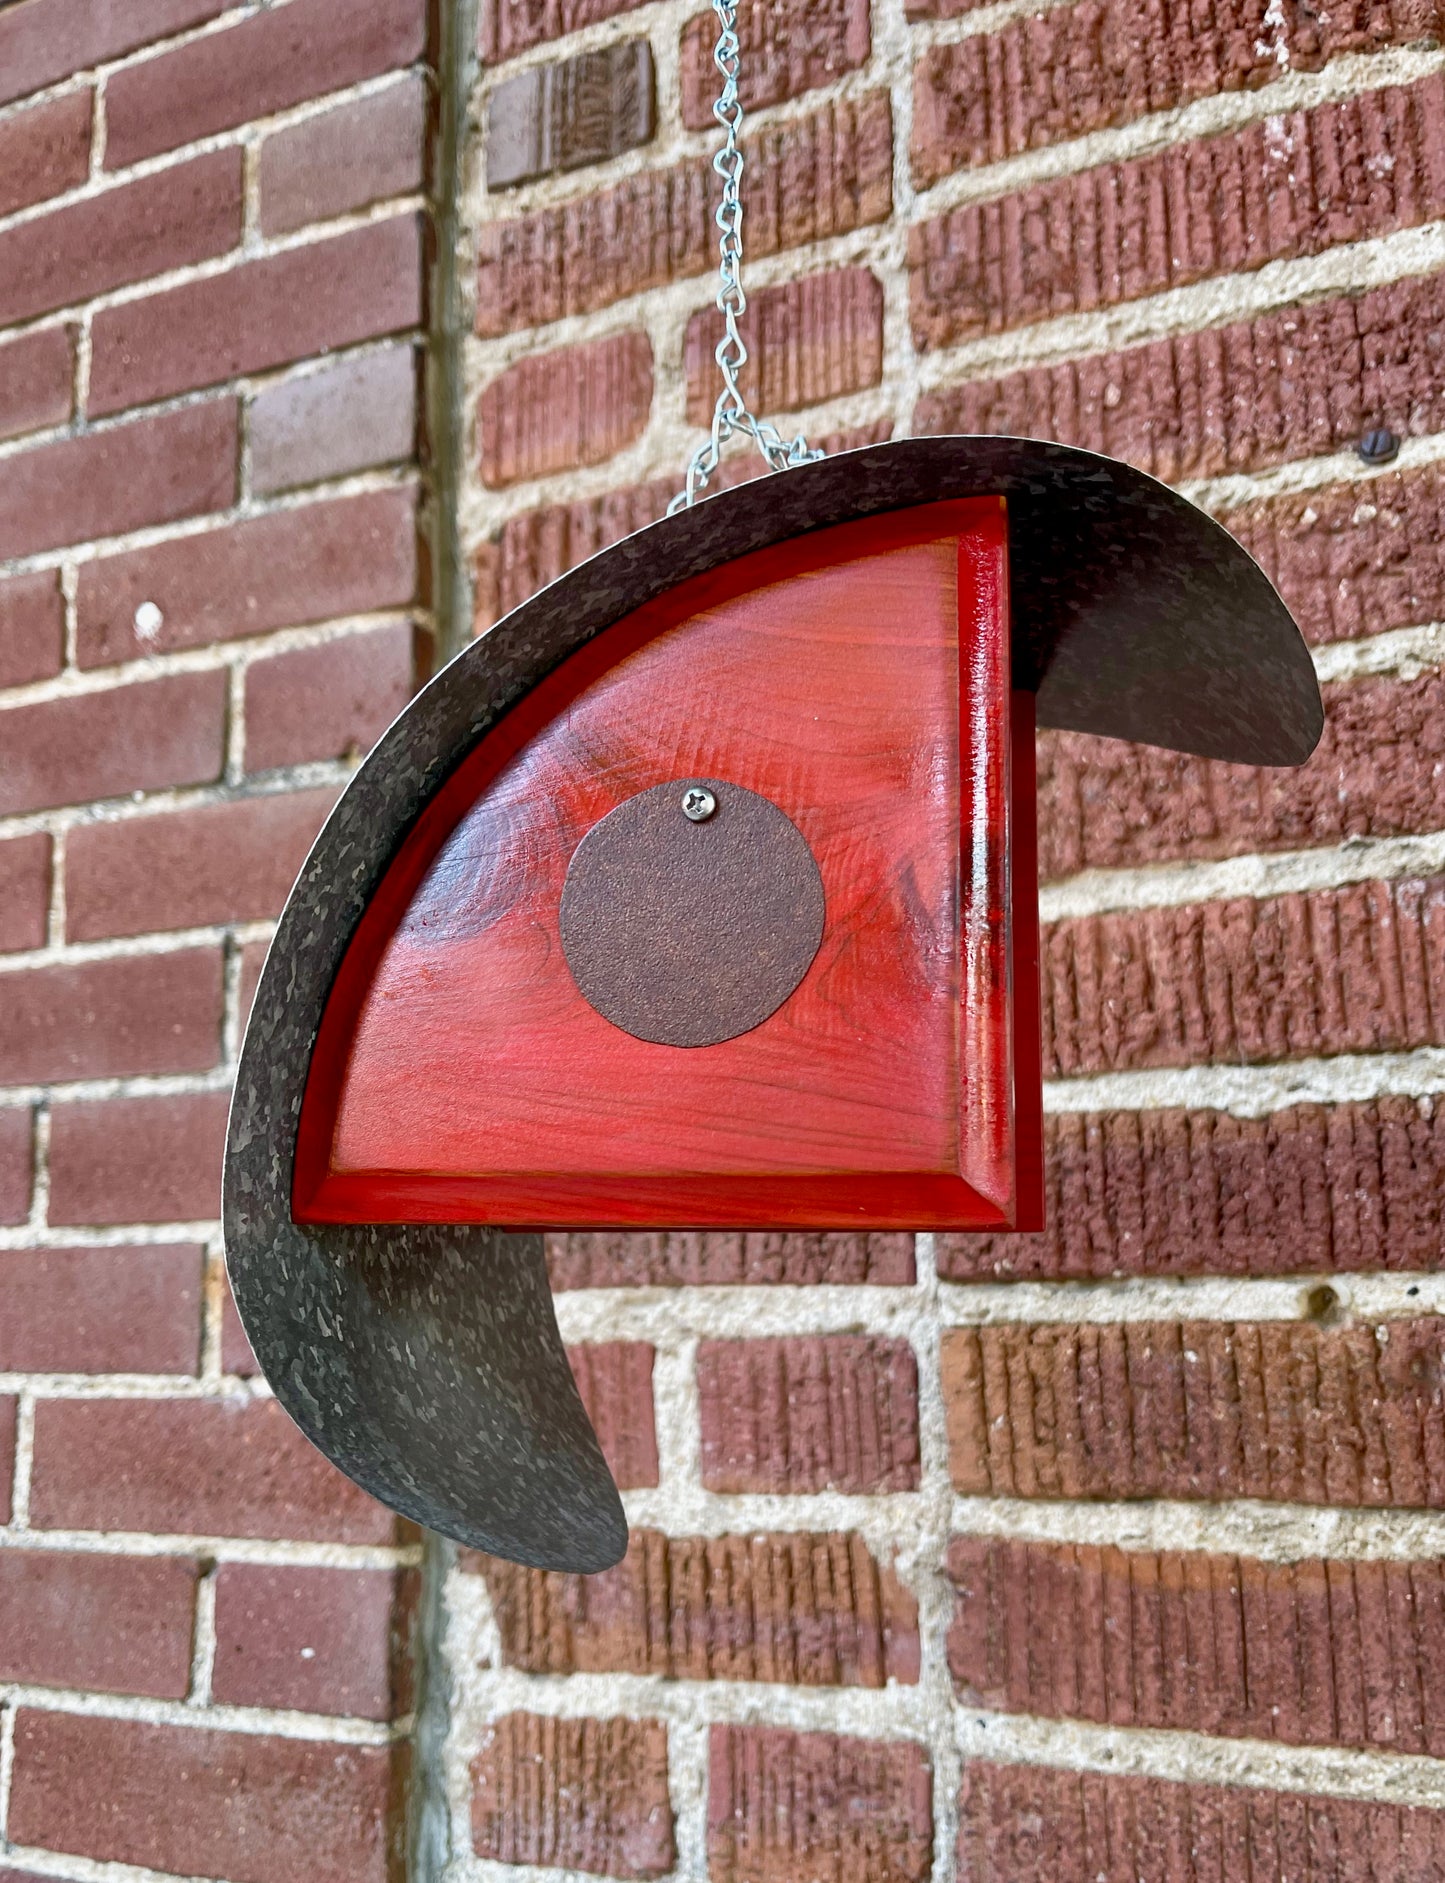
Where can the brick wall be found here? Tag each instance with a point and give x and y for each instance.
(1111, 1551)
(213, 263)
(1110, 1554)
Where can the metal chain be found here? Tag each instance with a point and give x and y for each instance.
(731, 414)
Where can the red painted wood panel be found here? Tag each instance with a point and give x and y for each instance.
(460, 1075)
(1025, 990)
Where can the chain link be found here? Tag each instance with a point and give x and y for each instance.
(731, 414)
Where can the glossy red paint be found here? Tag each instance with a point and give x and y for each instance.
(460, 1076)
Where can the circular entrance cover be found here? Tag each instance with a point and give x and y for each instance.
(691, 912)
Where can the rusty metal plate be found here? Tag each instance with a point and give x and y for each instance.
(685, 925)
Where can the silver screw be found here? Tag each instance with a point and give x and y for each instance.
(698, 804)
(1379, 446)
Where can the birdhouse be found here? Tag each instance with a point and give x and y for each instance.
(730, 921)
(701, 892)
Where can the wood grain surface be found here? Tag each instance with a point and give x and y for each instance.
(461, 1076)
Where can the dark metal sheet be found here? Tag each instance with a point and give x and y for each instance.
(426, 1362)
(690, 933)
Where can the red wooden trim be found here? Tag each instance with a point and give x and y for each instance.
(1025, 993)
(985, 1040)
(598, 1200)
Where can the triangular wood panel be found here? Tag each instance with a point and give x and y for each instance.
(858, 679)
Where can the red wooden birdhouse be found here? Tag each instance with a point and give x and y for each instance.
(701, 892)
(718, 926)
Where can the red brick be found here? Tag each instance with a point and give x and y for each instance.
(1342, 1189)
(817, 338)
(690, 1259)
(122, 1310)
(194, 1803)
(539, 545)
(1211, 1644)
(311, 1640)
(1061, 73)
(1359, 969)
(810, 177)
(113, 742)
(809, 1414)
(16, 1163)
(154, 470)
(7, 1456)
(575, 406)
(1290, 1412)
(353, 155)
(111, 1624)
(1379, 771)
(1287, 187)
(809, 1611)
(319, 560)
(615, 1381)
(261, 65)
(112, 1019)
(45, 150)
(232, 862)
(205, 1467)
(788, 47)
(1232, 398)
(24, 892)
(1026, 1822)
(571, 113)
(259, 314)
(32, 628)
(45, 40)
(330, 701)
(578, 1794)
(346, 418)
(188, 213)
(138, 1160)
(508, 27)
(784, 1805)
(36, 374)
(1354, 559)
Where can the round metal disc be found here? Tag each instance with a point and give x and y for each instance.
(686, 925)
